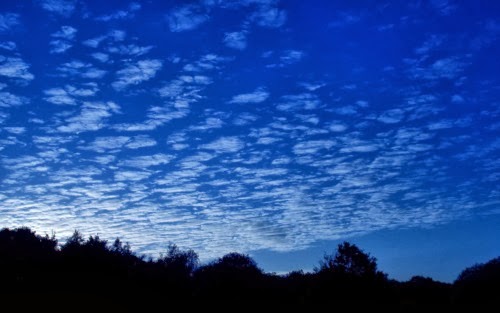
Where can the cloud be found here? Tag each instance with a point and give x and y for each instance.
(185, 18)
(130, 49)
(230, 144)
(121, 14)
(91, 118)
(114, 144)
(269, 16)
(59, 46)
(62, 7)
(344, 19)
(15, 68)
(292, 56)
(134, 74)
(103, 57)
(64, 41)
(391, 116)
(8, 20)
(8, 100)
(81, 69)
(258, 96)
(147, 161)
(65, 96)
(8, 45)
(66, 32)
(235, 40)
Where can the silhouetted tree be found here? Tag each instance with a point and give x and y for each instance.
(479, 284)
(349, 259)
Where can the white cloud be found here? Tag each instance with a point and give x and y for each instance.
(8, 100)
(391, 116)
(121, 14)
(134, 74)
(15, 68)
(291, 56)
(62, 7)
(268, 16)
(8, 20)
(147, 160)
(59, 96)
(65, 95)
(103, 57)
(229, 144)
(185, 18)
(258, 96)
(78, 68)
(94, 42)
(59, 46)
(235, 40)
(66, 32)
(91, 118)
(8, 45)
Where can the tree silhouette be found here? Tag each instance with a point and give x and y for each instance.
(479, 283)
(350, 260)
(86, 271)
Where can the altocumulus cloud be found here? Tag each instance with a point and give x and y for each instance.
(259, 95)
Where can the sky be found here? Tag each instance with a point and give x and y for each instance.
(277, 129)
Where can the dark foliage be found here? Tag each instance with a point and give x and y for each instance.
(89, 271)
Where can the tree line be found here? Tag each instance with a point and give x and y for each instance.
(111, 274)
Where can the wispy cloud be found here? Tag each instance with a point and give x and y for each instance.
(15, 68)
(224, 145)
(269, 16)
(136, 73)
(92, 117)
(65, 37)
(258, 96)
(64, 8)
(8, 20)
(121, 14)
(186, 18)
(235, 40)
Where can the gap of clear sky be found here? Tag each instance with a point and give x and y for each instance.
(271, 128)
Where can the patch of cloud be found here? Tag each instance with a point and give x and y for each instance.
(8, 100)
(130, 49)
(269, 16)
(146, 161)
(92, 117)
(15, 68)
(59, 46)
(291, 56)
(81, 69)
(66, 32)
(391, 116)
(156, 117)
(64, 8)
(8, 45)
(187, 17)
(103, 57)
(228, 144)
(258, 96)
(457, 99)
(345, 19)
(8, 20)
(65, 96)
(236, 40)
(303, 101)
(134, 74)
(445, 68)
(312, 146)
(121, 14)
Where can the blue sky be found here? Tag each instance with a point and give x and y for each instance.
(265, 127)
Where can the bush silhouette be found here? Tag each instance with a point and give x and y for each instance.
(94, 268)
